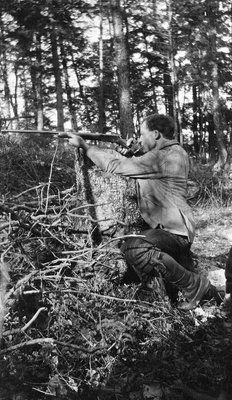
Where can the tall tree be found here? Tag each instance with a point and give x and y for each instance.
(141, 39)
(121, 56)
(5, 68)
(68, 89)
(212, 12)
(101, 102)
(36, 78)
(58, 81)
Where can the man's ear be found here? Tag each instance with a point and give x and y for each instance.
(157, 134)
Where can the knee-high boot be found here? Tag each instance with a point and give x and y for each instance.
(193, 286)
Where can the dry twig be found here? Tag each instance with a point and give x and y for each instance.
(52, 342)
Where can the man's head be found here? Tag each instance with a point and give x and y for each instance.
(155, 127)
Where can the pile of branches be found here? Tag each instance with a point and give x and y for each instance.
(74, 328)
(68, 314)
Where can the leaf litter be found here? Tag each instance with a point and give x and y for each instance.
(73, 329)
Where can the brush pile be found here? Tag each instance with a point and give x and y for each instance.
(72, 328)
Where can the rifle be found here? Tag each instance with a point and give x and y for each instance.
(101, 137)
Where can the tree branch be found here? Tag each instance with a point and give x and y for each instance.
(51, 341)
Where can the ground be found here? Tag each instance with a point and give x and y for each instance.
(149, 349)
(72, 329)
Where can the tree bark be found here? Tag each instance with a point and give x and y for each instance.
(101, 101)
(68, 88)
(175, 112)
(195, 121)
(217, 118)
(58, 82)
(14, 103)
(36, 78)
(7, 94)
(212, 138)
(149, 65)
(39, 94)
(168, 91)
(125, 109)
(212, 8)
(81, 91)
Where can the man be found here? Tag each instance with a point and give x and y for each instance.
(161, 176)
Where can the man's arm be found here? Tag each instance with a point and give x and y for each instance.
(142, 167)
(136, 167)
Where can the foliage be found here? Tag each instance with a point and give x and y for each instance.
(152, 35)
(209, 189)
(25, 162)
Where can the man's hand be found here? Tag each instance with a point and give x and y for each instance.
(123, 151)
(134, 148)
(76, 140)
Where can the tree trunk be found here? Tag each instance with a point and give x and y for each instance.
(212, 8)
(7, 94)
(39, 94)
(101, 101)
(81, 91)
(27, 100)
(217, 118)
(173, 76)
(58, 82)
(200, 114)
(168, 92)
(36, 78)
(178, 117)
(155, 8)
(149, 65)
(68, 88)
(212, 139)
(227, 166)
(195, 121)
(125, 109)
(14, 103)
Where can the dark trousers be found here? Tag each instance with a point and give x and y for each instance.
(228, 272)
(141, 252)
(161, 253)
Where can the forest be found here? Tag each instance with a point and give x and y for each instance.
(70, 326)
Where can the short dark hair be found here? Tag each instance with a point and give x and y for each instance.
(162, 123)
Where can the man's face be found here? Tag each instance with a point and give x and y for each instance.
(147, 138)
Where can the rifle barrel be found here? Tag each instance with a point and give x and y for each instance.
(102, 137)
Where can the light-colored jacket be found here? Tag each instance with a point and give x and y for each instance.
(161, 177)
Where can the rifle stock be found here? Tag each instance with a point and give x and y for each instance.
(101, 137)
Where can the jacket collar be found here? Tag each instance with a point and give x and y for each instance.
(167, 143)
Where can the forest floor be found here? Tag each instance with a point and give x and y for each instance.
(73, 330)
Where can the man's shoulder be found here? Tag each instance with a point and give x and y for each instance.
(177, 148)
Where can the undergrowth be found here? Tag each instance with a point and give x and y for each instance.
(73, 329)
(208, 188)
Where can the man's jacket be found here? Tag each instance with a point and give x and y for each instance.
(161, 177)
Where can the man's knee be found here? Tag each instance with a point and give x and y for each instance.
(143, 256)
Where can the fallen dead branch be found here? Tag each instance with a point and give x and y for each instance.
(19, 285)
(8, 224)
(4, 279)
(52, 342)
(25, 327)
